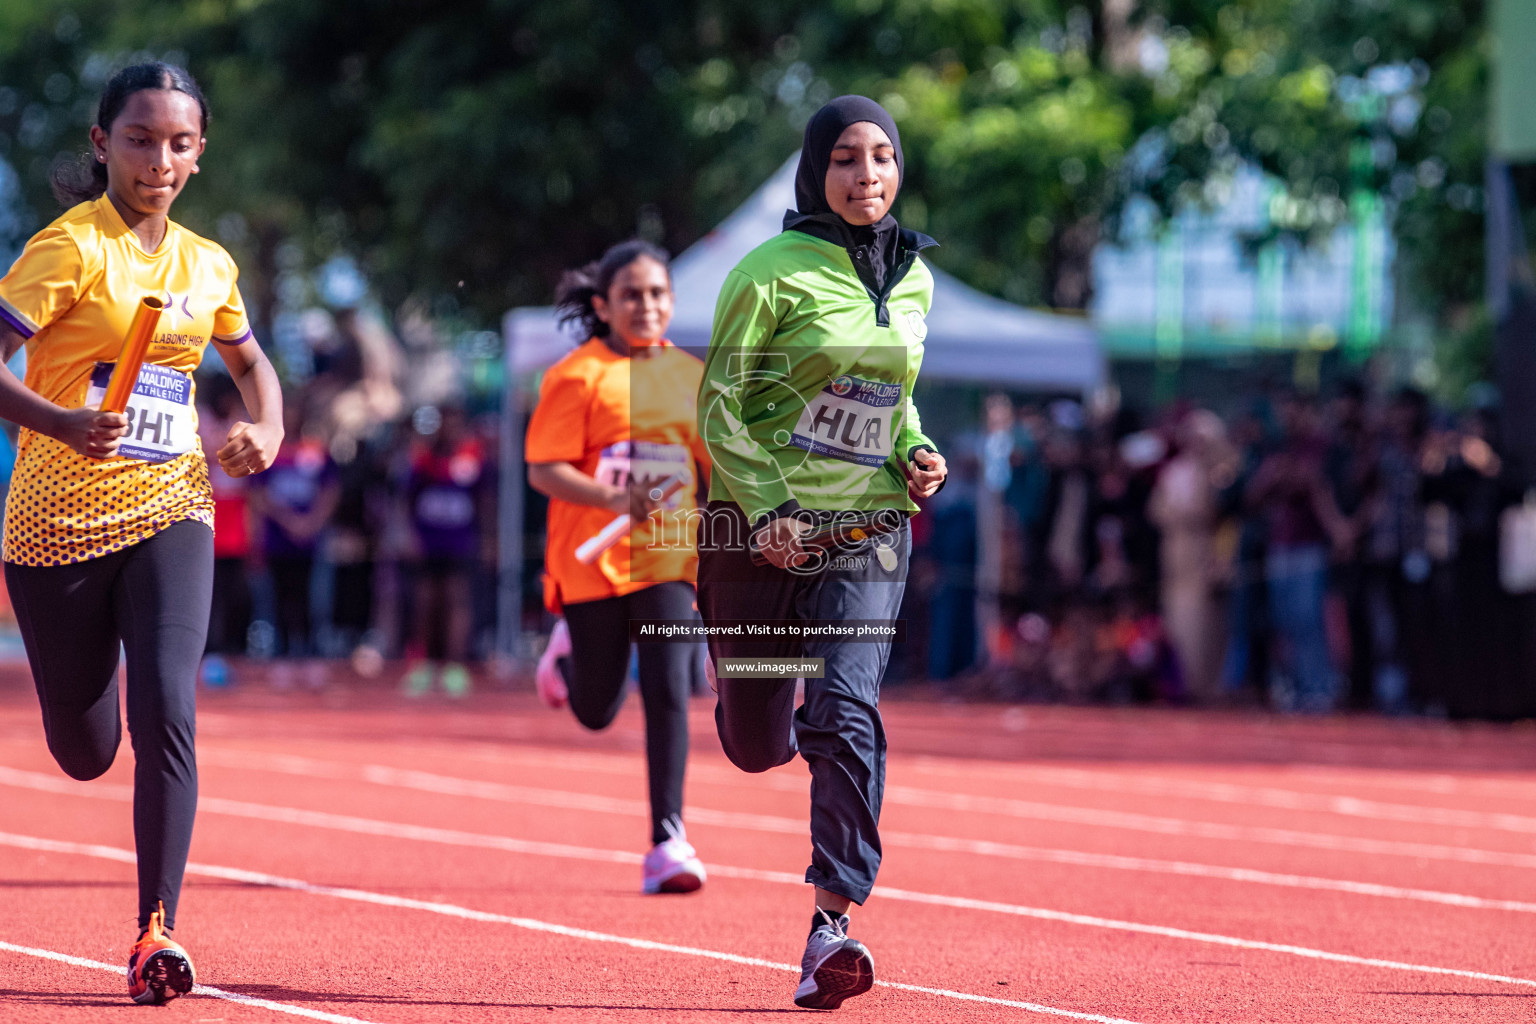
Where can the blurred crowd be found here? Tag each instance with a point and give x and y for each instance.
(1308, 554)
(372, 536)
(1305, 553)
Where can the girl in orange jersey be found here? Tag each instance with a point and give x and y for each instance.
(109, 525)
(615, 419)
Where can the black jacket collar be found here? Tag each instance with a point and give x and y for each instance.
(829, 227)
(881, 253)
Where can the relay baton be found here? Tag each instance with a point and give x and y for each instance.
(618, 528)
(126, 374)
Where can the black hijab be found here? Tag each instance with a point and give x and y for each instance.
(821, 134)
(876, 249)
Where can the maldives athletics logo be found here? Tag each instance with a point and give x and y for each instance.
(842, 385)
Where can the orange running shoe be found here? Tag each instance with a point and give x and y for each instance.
(159, 970)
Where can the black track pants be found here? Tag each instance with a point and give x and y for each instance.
(599, 669)
(837, 729)
(153, 598)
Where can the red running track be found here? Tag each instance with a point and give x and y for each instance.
(361, 857)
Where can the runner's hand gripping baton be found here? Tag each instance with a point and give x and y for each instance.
(135, 346)
(844, 531)
(619, 527)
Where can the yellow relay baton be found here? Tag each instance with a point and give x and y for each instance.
(135, 346)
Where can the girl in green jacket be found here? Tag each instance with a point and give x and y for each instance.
(806, 409)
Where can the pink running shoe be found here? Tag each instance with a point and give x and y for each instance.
(672, 865)
(548, 679)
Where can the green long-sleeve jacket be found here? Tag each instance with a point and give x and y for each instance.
(806, 400)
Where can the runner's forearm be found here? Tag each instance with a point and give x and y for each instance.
(565, 482)
(259, 387)
(911, 437)
(23, 406)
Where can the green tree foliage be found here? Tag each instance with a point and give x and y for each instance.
(466, 152)
(1333, 98)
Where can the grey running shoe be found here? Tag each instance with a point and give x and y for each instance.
(835, 967)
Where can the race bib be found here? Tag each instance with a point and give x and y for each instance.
(623, 461)
(850, 419)
(160, 420)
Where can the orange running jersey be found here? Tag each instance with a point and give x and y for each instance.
(72, 294)
(614, 418)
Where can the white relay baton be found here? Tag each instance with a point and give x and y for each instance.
(618, 528)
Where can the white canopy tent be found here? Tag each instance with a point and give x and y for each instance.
(972, 338)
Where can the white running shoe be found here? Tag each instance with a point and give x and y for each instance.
(673, 865)
(835, 967)
(548, 678)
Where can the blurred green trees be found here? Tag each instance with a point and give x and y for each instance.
(465, 152)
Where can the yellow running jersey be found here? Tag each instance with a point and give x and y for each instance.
(72, 293)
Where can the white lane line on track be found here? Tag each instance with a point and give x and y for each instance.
(1439, 784)
(1010, 807)
(619, 764)
(200, 990)
(428, 782)
(1193, 936)
(1502, 783)
(1031, 810)
(1283, 799)
(465, 913)
(622, 764)
(453, 837)
(1133, 821)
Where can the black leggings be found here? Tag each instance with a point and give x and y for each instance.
(152, 597)
(600, 666)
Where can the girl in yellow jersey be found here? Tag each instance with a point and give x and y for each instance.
(109, 525)
(615, 417)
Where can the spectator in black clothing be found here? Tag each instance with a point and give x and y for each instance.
(1065, 538)
(1396, 566)
(1349, 468)
(351, 549)
(1466, 473)
(952, 551)
(1290, 491)
(1246, 665)
(1125, 541)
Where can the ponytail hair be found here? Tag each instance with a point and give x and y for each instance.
(574, 294)
(84, 179)
(78, 181)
